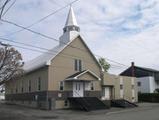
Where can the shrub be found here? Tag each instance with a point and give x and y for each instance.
(148, 97)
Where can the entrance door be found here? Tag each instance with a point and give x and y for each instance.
(78, 89)
(108, 93)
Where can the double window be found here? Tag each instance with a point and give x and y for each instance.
(78, 65)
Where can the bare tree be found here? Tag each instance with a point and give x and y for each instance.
(10, 63)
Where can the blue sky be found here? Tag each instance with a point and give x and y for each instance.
(121, 30)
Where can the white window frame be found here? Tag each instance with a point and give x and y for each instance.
(78, 65)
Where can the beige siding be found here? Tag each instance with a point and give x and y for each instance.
(113, 80)
(24, 81)
(63, 66)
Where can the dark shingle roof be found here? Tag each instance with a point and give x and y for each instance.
(140, 71)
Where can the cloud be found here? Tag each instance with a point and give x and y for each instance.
(122, 30)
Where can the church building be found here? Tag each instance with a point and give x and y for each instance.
(67, 74)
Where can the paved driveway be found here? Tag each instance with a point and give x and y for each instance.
(145, 111)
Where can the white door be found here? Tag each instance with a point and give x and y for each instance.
(106, 93)
(78, 89)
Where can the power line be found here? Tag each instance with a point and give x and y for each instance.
(51, 38)
(54, 2)
(43, 18)
(41, 48)
(68, 55)
(48, 51)
(9, 8)
(3, 6)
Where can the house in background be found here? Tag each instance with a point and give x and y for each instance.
(67, 75)
(147, 79)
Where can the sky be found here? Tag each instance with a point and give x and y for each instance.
(119, 30)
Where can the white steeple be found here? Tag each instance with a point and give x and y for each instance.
(71, 28)
(71, 19)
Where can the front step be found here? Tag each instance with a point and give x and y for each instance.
(87, 103)
(122, 103)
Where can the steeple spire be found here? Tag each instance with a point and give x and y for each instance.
(71, 22)
(71, 28)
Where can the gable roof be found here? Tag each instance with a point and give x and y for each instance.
(45, 59)
(78, 74)
(139, 71)
(74, 75)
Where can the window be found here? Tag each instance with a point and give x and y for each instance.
(139, 83)
(11, 91)
(39, 83)
(78, 65)
(66, 103)
(29, 85)
(16, 90)
(79, 86)
(22, 90)
(61, 85)
(22, 87)
(92, 86)
(121, 87)
(76, 86)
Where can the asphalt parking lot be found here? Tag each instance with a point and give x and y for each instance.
(145, 111)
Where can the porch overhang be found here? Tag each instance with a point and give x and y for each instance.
(77, 80)
(85, 76)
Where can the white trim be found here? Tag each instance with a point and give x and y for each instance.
(86, 72)
(65, 45)
(28, 68)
